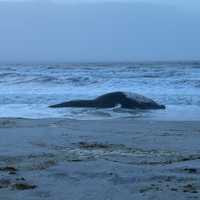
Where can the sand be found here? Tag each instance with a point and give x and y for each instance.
(59, 159)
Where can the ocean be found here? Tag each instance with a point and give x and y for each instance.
(26, 90)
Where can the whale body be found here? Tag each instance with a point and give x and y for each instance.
(124, 99)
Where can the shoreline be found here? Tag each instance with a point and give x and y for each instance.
(171, 113)
(99, 159)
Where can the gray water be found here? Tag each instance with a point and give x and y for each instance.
(27, 90)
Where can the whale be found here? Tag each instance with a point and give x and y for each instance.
(126, 100)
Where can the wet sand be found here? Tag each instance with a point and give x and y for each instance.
(112, 159)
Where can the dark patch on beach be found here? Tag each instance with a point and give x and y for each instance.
(105, 146)
(152, 188)
(85, 145)
(171, 180)
(8, 169)
(19, 183)
(167, 184)
(175, 160)
(191, 170)
(129, 155)
(190, 157)
(20, 179)
(23, 186)
(174, 189)
(190, 188)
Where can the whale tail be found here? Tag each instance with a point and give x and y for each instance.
(76, 103)
(54, 106)
(61, 105)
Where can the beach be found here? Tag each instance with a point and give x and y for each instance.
(99, 159)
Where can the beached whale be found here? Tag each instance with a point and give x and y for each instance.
(109, 100)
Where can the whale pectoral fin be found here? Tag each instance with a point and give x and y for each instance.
(118, 105)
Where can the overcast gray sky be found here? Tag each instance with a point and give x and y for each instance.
(195, 4)
(115, 31)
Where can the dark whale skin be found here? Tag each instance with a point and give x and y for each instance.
(113, 99)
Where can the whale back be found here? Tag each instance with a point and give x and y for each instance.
(127, 100)
(111, 99)
(117, 96)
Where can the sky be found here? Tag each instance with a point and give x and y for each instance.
(142, 30)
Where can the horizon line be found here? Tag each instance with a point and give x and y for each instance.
(98, 62)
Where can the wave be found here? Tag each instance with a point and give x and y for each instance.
(14, 79)
(7, 74)
(189, 82)
(41, 80)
